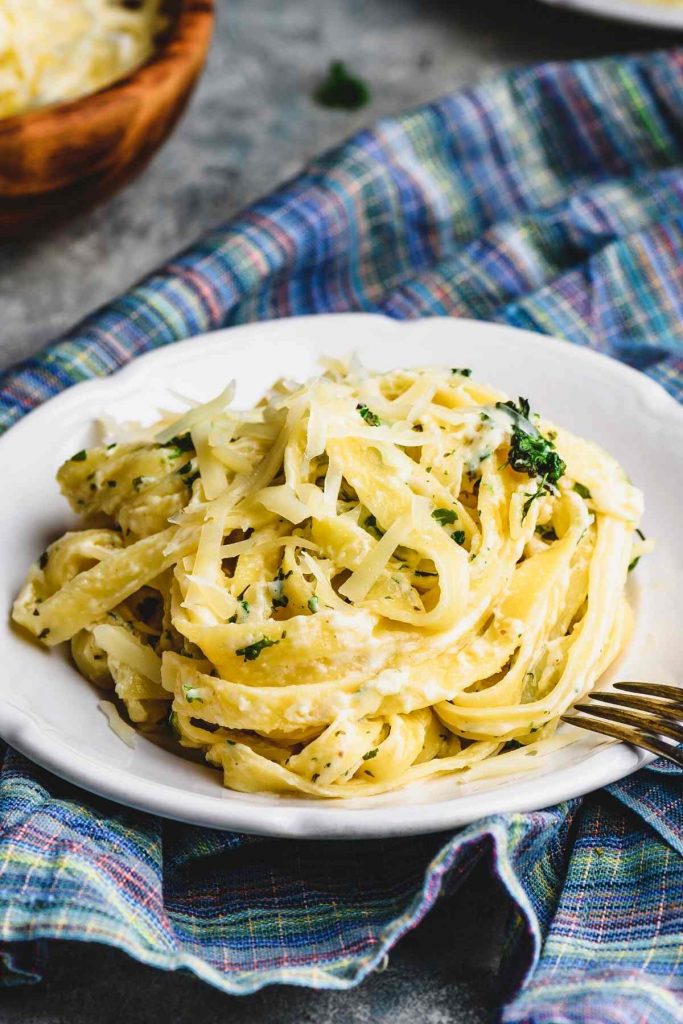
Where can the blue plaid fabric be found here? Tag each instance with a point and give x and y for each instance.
(550, 198)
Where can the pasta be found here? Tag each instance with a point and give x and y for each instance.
(364, 581)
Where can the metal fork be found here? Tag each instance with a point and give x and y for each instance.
(642, 715)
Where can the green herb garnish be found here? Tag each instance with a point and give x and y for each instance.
(172, 724)
(252, 651)
(342, 90)
(192, 694)
(370, 417)
(458, 536)
(546, 532)
(79, 457)
(445, 516)
(370, 524)
(531, 452)
(635, 561)
(313, 603)
(370, 754)
(532, 497)
(462, 373)
(245, 608)
(582, 490)
(42, 561)
(182, 442)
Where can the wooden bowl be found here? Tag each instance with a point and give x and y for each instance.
(61, 159)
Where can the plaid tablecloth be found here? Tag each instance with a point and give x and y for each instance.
(550, 198)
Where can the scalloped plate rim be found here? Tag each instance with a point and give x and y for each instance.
(311, 819)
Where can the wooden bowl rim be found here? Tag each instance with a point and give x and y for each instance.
(192, 24)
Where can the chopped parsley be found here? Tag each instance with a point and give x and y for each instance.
(520, 408)
(252, 651)
(43, 633)
(546, 532)
(635, 561)
(179, 444)
(531, 452)
(172, 724)
(79, 456)
(244, 606)
(531, 497)
(370, 417)
(370, 524)
(582, 490)
(138, 481)
(188, 477)
(192, 694)
(445, 516)
(42, 561)
(458, 536)
(110, 446)
(342, 90)
(535, 456)
(462, 373)
(370, 754)
(313, 603)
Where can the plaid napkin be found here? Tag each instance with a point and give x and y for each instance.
(551, 198)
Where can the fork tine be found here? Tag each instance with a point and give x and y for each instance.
(655, 707)
(622, 717)
(632, 736)
(653, 690)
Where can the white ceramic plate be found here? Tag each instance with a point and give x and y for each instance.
(50, 713)
(639, 11)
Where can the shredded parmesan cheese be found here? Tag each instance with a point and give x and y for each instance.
(54, 51)
(117, 725)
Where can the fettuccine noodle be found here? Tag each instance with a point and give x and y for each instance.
(364, 581)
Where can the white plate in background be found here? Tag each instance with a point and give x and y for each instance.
(50, 713)
(658, 15)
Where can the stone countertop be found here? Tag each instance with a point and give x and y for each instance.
(252, 124)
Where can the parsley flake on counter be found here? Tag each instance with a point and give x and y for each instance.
(342, 90)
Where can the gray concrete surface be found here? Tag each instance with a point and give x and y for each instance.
(251, 125)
